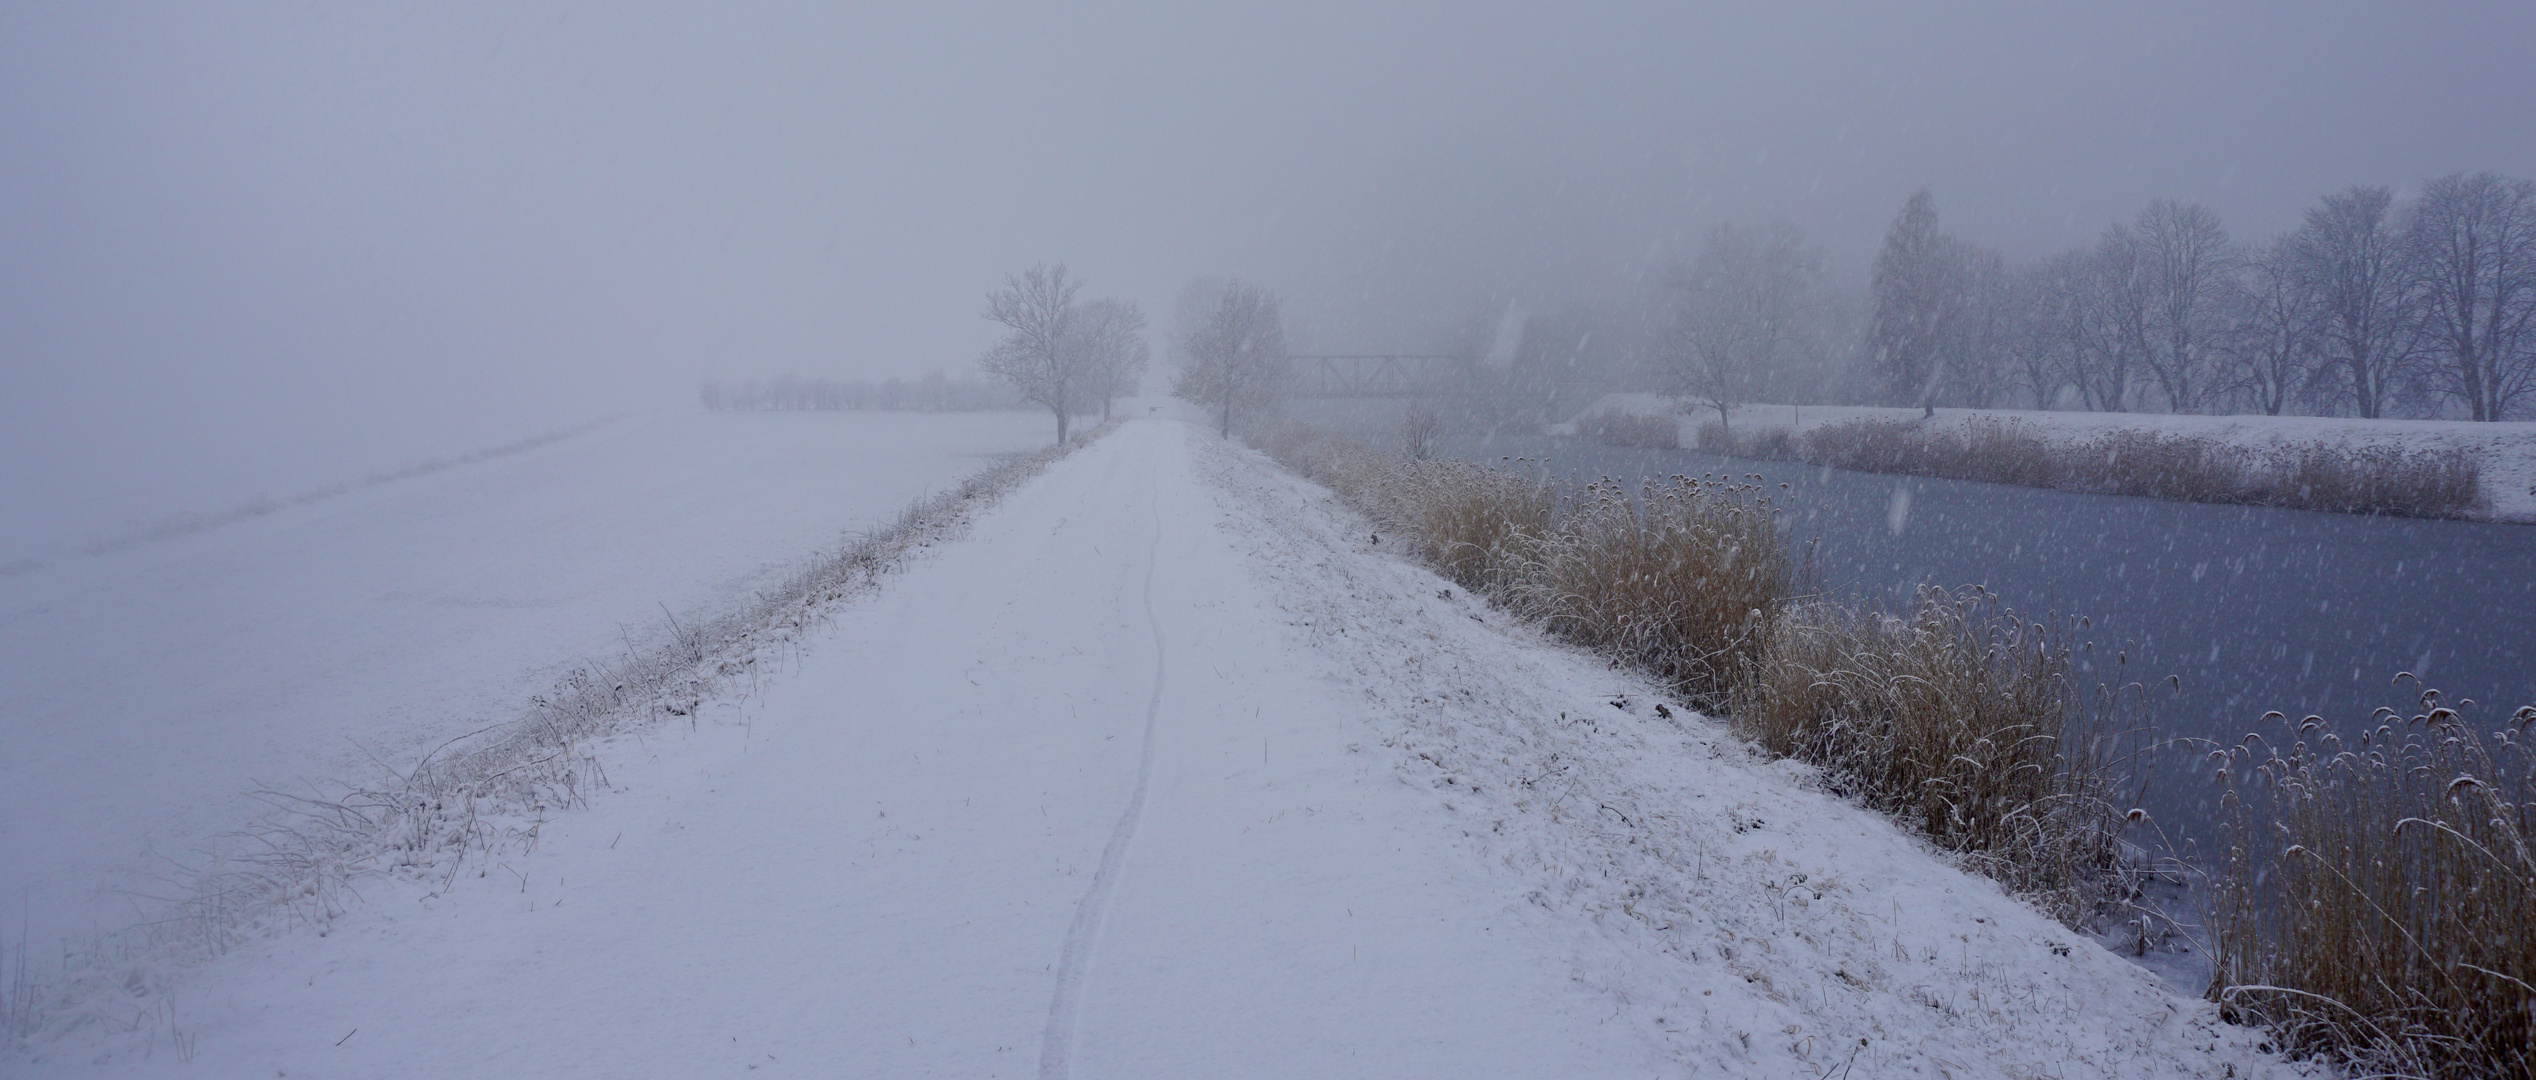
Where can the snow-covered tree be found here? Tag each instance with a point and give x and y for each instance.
(1744, 313)
(1111, 337)
(1036, 308)
(1233, 356)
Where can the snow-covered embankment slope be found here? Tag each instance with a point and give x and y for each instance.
(150, 688)
(1169, 770)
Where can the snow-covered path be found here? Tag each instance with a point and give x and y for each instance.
(1114, 787)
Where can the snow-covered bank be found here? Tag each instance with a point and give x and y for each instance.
(153, 687)
(1170, 769)
(2507, 450)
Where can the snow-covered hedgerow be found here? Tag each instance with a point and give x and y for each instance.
(485, 792)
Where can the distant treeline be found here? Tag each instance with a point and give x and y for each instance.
(2374, 303)
(934, 392)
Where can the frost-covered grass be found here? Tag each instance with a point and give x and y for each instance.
(465, 802)
(2375, 904)
(1958, 717)
(2428, 468)
(1680, 578)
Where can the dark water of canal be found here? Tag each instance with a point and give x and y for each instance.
(2250, 609)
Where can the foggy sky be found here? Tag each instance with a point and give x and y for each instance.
(250, 247)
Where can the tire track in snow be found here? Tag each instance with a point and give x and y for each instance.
(1056, 1048)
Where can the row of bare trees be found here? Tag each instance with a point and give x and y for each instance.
(934, 392)
(1062, 354)
(2371, 307)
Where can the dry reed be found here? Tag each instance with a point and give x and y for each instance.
(1463, 518)
(1631, 429)
(2186, 468)
(1680, 578)
(2377, 905)
(1767, 444)
(1958, 717)
(2376, 480)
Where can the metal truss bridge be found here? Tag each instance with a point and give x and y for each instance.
(1390, 375)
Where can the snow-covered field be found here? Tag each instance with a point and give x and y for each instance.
(2508, 449)
(1170, 769)
(150, 688)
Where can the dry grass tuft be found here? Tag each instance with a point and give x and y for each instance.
(1767, 444)
(2184, 468)
(1994, 451)
(1463, 518)
(1960, 718)
(2378, 902)
(2375, 480)
(1629, 429)
(2180, 468)
(1680, 580)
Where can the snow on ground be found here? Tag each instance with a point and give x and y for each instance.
(151, 688)
(2508, 449)
(1170, 769)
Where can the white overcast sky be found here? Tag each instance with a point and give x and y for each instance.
(239, 235)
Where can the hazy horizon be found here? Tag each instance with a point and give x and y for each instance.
(252, 248)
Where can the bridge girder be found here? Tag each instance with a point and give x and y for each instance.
(1384, 375)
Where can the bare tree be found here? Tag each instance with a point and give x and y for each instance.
(2471, 246)
(1743, 313)
(2185, 263)
(2115, 341)
(1233, 360)
(2350, 259)
(2051, 355)
(1036, 308)
(1111, 337)
(2271, 341)
(1420, 429)
(2090, 316)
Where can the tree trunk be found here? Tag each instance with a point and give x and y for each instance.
(1061, 422)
